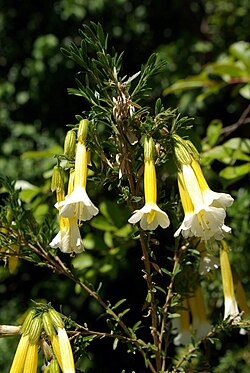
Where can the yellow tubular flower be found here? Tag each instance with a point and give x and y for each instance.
(182, 324)
(20, 355)
(56, 350)
(66, 352)
(230, 304)
(68, 239)
(242, 299)
(204, 209)
(201, 219)
(200, 322)
(210, 197)
(150, 215)
(30, 365)
(78, 204)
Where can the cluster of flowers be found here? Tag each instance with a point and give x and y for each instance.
(205, 210)
(40, 327)
(192, 323)
(76, 206)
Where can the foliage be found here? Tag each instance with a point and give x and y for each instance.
(112, 252)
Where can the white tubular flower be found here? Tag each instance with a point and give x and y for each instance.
(201, 219)
(68, 239)
(181, 326)
(210, 197)
(150, 215)
(230, 304)
(77, 204)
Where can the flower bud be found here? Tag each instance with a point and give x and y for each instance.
(57, 183)
(56, 318)
(25, 328)
(48, 325)
(35, 330)
(54, 366)
(82, 130)
(193, 151)
(70, 144)
(182, 151)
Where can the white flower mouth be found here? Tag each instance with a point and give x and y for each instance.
(78, 205)
(150, 216)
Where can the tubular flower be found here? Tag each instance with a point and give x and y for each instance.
(182, 325)
(200, 323)
(230, 304)
(204, 214)
(68, 239)
(26, 356)
(150, 215)
(20, 355)
(77, 204)
(60, 341)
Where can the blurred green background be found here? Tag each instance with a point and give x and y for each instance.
(35, 109)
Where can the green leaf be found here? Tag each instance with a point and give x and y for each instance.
(48, 153)
(235, 172)
(213, 131)
(245, 91)
(83, 261)
(100, 222)
(238, 143)
(226, 71)
(241, 50)
(119, 303)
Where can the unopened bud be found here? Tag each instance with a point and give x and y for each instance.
(48, 325)
(54, 366)
(25, 328)
(149, 149)
(194, 152)
(70, 144)
(56, 319)
(83, 130)
(57, 183)
(182, 151)
(35, 330)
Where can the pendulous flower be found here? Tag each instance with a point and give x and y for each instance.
(68, 239)
(230, 304)
(78, 204)
(204, 209)
(150, 215)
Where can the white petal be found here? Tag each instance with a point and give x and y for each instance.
(217, 199)
(78, 205)
(230, 308)
(56, 242)
(137, 215)
(161, 218)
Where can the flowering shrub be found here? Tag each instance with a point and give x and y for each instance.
(132, 158)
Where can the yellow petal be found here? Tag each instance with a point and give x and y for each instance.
(185, 199)
(66, 352)
(30, 365)
(150, 183)
(199, 175)
(20, 355)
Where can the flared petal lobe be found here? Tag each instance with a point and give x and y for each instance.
(78, 205)
(150, 216)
